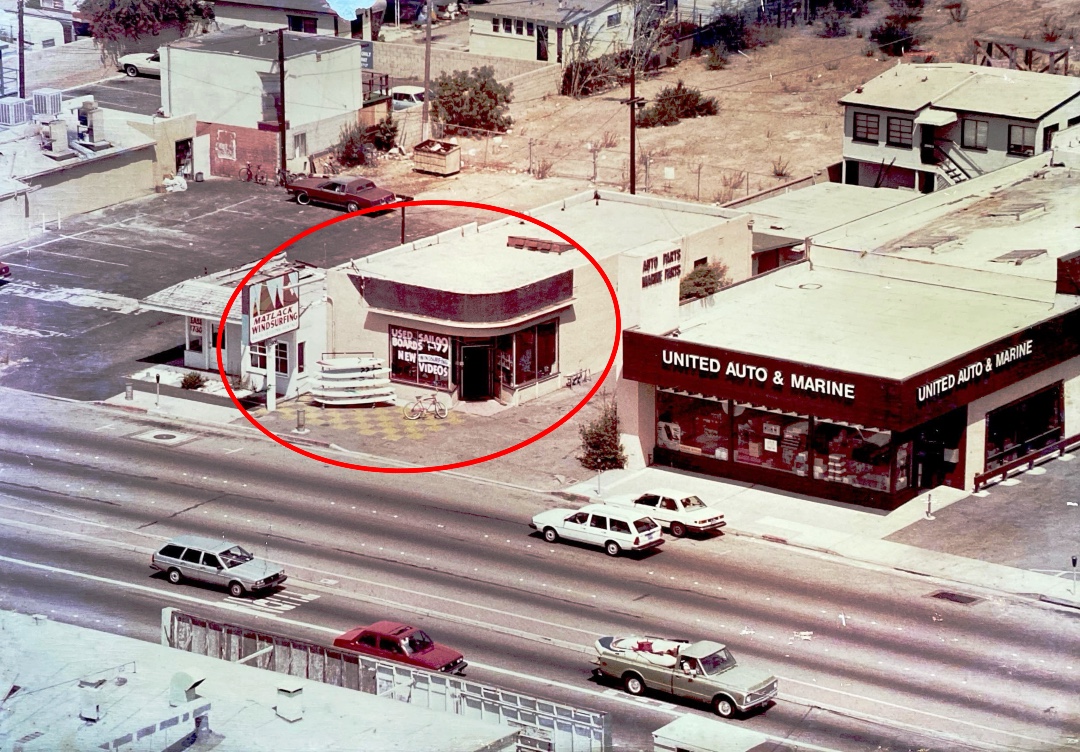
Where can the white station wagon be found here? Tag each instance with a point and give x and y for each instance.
(679, 512)
(613, 529)
(217, 562)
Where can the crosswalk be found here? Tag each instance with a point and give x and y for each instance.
(278, 603)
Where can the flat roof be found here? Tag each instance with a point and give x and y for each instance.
(966, 88)
(48, 659)
(816, 208)
(614, 224)
(863, 323)
(244, 42)
(554, 11)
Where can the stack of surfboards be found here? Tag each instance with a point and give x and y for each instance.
(353, 381)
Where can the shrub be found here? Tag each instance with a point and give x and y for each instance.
(193, 380)
(715, 60)
(703, 281)
(471, 99)
(728, 31)
(601, 447)
(833, 24)
(674, 103)
(894, 35)
(384, 134)
(780, 167)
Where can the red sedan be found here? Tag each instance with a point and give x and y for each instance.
(393, 641)
(352, 193)
(5, 270)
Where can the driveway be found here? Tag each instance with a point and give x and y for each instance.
(141, 95)
(70, 325)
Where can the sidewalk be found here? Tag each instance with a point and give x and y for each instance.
(839, 529)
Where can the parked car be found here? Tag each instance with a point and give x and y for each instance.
(404, 97)
(393, 641)
(217, 562)
(140, 62)
(613, 529)
(352, 193)
(5, 271)
(704, 670)
(676, 511)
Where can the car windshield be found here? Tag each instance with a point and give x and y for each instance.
(644, 525)
(693, 502)
(417, 642)
(236, 556)
(719, 661)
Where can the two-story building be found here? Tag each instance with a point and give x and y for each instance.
(546, 30)
(231, 81)
(359, 19)
(925, 127)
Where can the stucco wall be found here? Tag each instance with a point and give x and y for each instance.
(166, 132)
(269, 18)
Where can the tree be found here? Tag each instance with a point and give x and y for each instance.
(472, 99)
(601, 448)
(114, 21)
(703, 281)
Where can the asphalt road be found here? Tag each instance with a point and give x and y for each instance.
(899, 671)
(141, 95)
(71, 325)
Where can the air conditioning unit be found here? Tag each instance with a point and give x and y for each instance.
(47, 101)
(14, 111)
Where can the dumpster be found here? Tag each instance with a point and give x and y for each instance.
(437, 157)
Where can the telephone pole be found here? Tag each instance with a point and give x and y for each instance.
(634, 102)
(427, 75)
(281, 97)
(22, 56)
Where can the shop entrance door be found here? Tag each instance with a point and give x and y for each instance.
(476, 382)
(184, 151)
(939, 451)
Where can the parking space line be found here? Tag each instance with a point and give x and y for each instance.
(81, 258)
(127, 247)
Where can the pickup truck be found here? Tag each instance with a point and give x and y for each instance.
(678, 512)
(704, 671)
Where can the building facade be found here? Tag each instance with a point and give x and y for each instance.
(926, 127)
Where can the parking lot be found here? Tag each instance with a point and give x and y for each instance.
(71, 325)
(141, 95)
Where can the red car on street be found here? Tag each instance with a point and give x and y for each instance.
(393, 641)
(351, 193)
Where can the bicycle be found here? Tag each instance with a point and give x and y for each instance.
(248, 176)
(284, 177)
(424, 405)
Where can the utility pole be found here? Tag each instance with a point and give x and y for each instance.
(634, 102)
(427, 75)
(281, 97)
(22, 55)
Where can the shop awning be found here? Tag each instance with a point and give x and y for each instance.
(936, 117)
(194, 297)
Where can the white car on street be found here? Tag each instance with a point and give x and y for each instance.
(140, 62)
(613, 529)
(678, 512)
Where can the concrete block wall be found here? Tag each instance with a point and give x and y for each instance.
(535, 84)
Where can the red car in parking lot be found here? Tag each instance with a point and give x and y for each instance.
(5, 270)
(351, 193)
(394, 641)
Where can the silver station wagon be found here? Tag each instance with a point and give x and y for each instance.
(217, 562)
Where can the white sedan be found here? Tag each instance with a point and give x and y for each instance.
(140, 62)
(679, 512)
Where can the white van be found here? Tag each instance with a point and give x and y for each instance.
(613, 529)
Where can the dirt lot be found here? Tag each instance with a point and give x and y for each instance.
(778, 108)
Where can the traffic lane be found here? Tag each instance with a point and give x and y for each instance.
(131, 94)
(524, 666)
(900, 691)
(624, 586)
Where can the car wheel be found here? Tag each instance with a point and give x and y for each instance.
(550, 535)
(678, 529)
(723, 706)
(352, 206)
(175, 577)
(633, 684)
(131, 70)
(236, 590)
(303, 199)
(612, 548)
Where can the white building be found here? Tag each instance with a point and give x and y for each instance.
(925, 127)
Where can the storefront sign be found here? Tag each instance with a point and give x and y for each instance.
(740, 372)
(194, 326)
(272, 307)
(420, 357)
(976, 369)
(653, 274)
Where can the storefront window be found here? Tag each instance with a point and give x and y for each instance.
(772, 440)
(903, 467)
(525, 356)
(1023, 427)
(504, 359)
(281, 357)
(694, 426)
(258, 355)
(195, 331)
(418, 357)
(858, 457)
(528, 355)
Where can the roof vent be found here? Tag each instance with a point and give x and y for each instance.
(90, 699)
(262, 38)
(290, 702)
(1020, 256)
(182, 687)
(536, 244)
